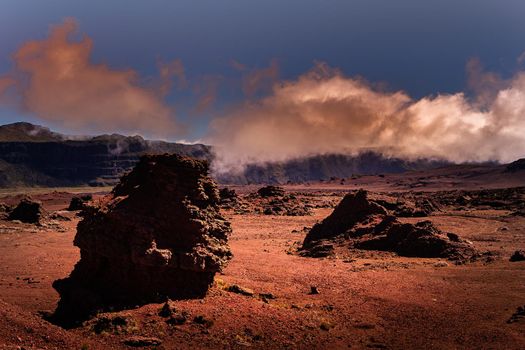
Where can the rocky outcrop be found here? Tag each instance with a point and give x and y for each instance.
(353, 209)
(362, 223)
(158, 234)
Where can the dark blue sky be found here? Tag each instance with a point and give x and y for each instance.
(414, 45)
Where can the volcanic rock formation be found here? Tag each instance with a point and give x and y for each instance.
(365, 224)
(158, 234)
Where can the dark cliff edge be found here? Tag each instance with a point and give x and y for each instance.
(31, 155)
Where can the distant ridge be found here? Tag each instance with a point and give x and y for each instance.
(27, 132)
(33, 155)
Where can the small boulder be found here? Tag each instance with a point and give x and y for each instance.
(235, 288)
(28, 211)
(519, 255)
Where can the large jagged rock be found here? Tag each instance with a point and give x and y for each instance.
(353, 208)
(158, 234)
(360, 222)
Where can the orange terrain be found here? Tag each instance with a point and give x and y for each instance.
(264, 299)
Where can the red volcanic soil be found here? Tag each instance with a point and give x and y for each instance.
(366, 300)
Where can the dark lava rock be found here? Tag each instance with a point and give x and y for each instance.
(113, 324)
(366, 225)
(519, 255)
(229, 199)
(420, 240)
(519, 315)
(235, 288)
(270, 191)
(353, 208)
(28, 211)
(517, 165)
(158, 235)
(79, 203)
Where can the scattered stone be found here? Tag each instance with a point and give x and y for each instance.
(227, 194)
(325, 326)
(270, 191)
(267, 296)
(158, 235)
(321, 250)
(200, 319)
(138, 341)
(113, 324)
(313, 290)
(178, 318)
(28, 211)
(519, 255)
(4, 210)
(234, 288)
(518, 315)
(167, 310)
(79, 203)
(441, 264)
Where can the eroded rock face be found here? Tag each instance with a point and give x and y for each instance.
(158, 234)
(361, 223)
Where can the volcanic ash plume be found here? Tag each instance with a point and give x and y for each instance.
(56, 82)
(324, 111)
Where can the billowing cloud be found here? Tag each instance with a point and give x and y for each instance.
(324, 111)
(58, 83)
